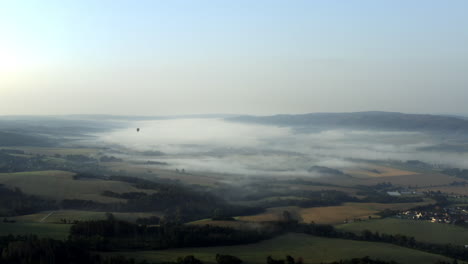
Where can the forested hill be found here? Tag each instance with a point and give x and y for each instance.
(363, 120)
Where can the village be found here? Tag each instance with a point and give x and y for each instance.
(446, 215)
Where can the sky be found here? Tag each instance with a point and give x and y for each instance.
(257, 57)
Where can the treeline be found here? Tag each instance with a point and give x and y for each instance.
(15, 202)
(376, 197)
(439, 197)
(89, 205)
(152, 220)
(364, 260)
(30, 249)
(34, 250)
(112, 234)
(378, 194)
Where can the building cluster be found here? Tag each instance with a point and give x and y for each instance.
(448, 215)
(403, 192)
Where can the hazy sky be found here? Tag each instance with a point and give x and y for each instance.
(257, 57)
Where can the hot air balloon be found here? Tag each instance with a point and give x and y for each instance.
(138, 129)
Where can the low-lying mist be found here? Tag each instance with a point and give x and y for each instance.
(218, 145)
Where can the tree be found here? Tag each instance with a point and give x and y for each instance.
(286, 216)
(110, 217)
(290, 260)
(189, 260)
(227, 259)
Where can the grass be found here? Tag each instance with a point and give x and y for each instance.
(55, 231)
(421, 230)
(311, 249)
(60, 185)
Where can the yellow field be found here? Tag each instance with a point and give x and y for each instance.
(338, 214)
(60, 185)
(330, 214)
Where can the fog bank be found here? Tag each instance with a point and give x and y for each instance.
(216, 145)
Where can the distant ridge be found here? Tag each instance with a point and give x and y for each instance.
(363, 120)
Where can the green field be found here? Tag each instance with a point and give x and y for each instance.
(59, 185)
(56, 231)
(311, 249)
(421, 230)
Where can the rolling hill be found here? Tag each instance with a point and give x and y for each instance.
(363, 120)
